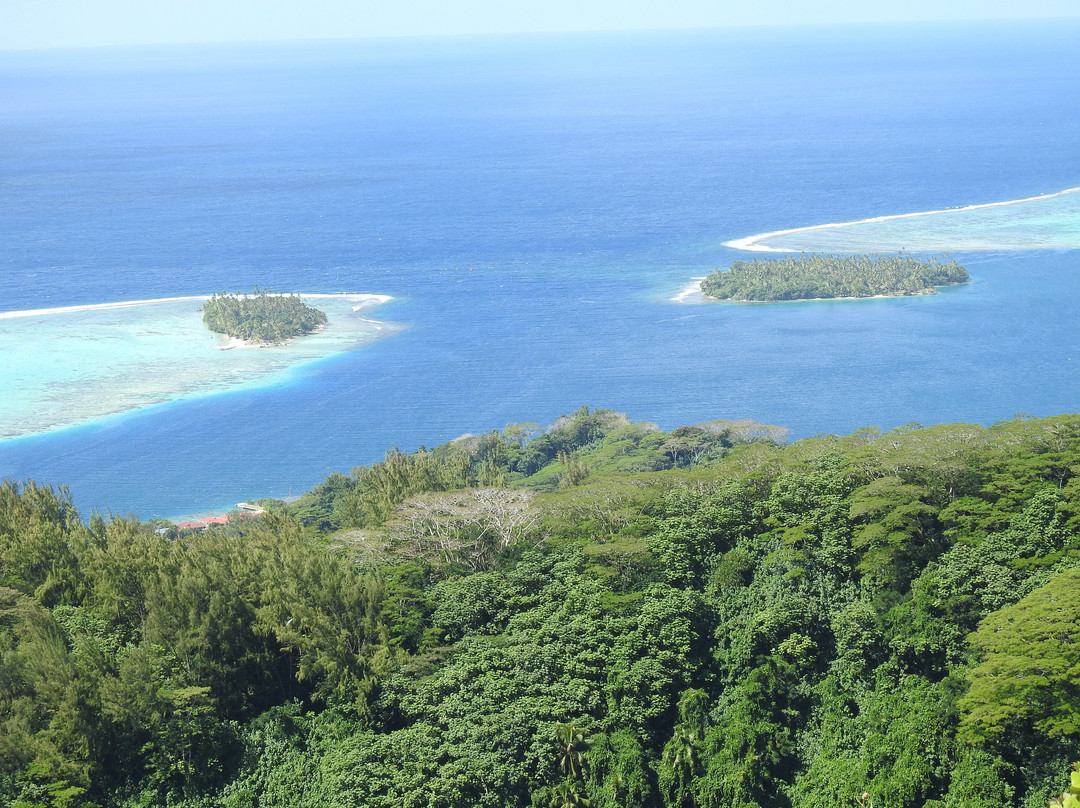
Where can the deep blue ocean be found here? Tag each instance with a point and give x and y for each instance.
(533, 203)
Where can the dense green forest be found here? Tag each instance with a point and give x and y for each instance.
(811, 277)
(261, 317)
(597, 613)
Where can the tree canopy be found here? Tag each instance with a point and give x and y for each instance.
(812, 277)
(701, 617)
(1030, 672)
(262, 317)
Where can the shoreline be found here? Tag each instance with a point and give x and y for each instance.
(240, 342)
(363, 298)
(236, 342)
(24, 423)
(751, 243)
(692, 291)
(695, 291)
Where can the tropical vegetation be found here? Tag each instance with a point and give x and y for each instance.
(262, 317)
(597, 613)
(812, 277)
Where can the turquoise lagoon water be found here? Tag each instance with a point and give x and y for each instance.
(71, 367)
(533, 205)
(1048, 222)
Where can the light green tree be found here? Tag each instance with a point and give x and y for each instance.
(1030, 673)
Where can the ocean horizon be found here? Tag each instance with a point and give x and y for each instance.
(528, 208)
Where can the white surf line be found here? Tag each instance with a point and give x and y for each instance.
(125, 304)
(7, 315)
(693, 289)
(751, 244)
(359, 297)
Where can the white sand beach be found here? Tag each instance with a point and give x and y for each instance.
(692, 293)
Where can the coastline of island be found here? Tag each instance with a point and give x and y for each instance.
(364, 301)
(694, 294)
(105, 360)
(817, 277)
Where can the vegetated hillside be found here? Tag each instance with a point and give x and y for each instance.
(817, 277)
(261, 317)
(597, 611)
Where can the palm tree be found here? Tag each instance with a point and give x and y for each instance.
(568, 796)
(572, 745)
(680, 753)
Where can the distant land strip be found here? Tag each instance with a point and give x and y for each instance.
(752, 243)
(124, 304)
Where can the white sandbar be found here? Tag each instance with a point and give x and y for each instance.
(124, 304)
(752, 243)
(692, 293)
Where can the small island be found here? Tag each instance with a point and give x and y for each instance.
(824, 277)
(262, 318)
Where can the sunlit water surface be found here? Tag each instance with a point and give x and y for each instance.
(533, 205)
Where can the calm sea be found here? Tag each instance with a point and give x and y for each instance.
(533, 204)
